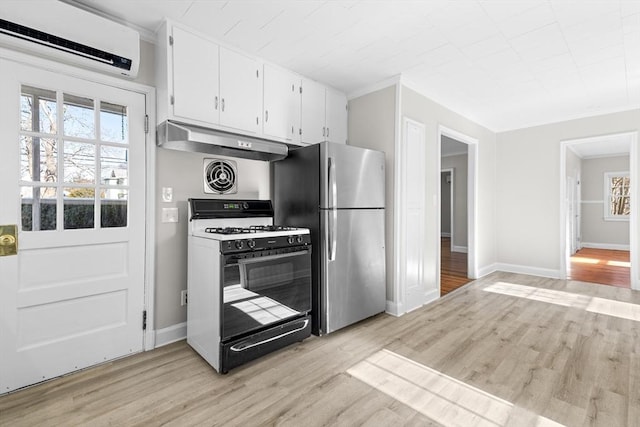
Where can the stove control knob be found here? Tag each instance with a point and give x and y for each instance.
(245, 205)
(251, 243)
(239, 244)
(291, 240)
(299, 239)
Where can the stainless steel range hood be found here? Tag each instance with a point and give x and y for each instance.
(180, 136)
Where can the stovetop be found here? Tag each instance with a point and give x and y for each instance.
(225, 220)
(252, 229)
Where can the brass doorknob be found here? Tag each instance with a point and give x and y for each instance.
(7, 239)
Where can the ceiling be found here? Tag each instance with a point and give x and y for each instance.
(503, 64)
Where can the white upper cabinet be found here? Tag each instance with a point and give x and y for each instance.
(281, 112)
(240, 91)
(312, 112)
(194, 90)
(336, 116)
(201, 82)
(323, 114)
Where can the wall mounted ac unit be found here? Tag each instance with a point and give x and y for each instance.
(68, 34)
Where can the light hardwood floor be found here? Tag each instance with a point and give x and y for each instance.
(602, 266)
(505, 350)
(453, 267)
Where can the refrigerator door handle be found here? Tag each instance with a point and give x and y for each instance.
(331, 184)
(332, 187)
(333, 219)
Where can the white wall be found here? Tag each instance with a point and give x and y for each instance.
(596, 231)
(424, 110)
(183, 172)
(528, 193)
(372, 125)
(459, 163)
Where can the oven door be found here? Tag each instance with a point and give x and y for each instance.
(264, 289)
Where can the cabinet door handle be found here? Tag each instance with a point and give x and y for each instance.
(257, 120)
(292, 130)
(222, 104)
(327, 132)
(216, 107)
(324, 131)
(266, 116)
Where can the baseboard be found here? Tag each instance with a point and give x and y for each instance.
(431, 296)
(461, 249)
(525, 269)
(171, 334)
(486, 270)
(610, 246)
(393, 308)
(443, 234)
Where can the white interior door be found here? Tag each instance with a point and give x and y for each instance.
(72, 172)
(413, 210)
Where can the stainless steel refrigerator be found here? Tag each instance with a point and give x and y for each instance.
(337, 191)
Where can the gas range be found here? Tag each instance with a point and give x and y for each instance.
(249, 281)
(245, 225)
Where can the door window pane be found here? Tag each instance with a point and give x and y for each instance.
(38, 159)
(113, 210)
(38, 106)
(79, 162)
(79, 207)
(114, 124)
(39, 212)
(114, 165)
(79, 118)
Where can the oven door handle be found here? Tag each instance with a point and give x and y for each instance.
(242, 346)
(273, 257)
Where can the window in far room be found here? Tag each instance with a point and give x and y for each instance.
(617, 190)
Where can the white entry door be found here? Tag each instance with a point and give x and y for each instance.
(72, 172)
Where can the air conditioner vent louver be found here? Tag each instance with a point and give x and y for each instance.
(36, 36)
(220, 176)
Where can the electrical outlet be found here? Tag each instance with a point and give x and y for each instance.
(183, 297)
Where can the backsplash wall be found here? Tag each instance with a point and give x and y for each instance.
(183, 172)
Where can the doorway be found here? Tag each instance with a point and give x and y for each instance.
(597, 178)
(457, 216)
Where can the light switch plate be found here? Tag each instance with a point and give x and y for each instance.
(167, 194)
(170, 215)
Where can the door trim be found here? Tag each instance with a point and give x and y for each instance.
(635, 193)
(149, 93)
(472, 206)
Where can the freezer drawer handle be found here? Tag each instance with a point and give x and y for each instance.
(244, 346)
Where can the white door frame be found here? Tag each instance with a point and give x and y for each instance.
(451, 219)
(150, 148)
(472, 191)
(635, 193)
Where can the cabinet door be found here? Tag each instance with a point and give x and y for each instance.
(240, 91)
(195, 77)
(336, 116)
(312, 114)
(281, 115)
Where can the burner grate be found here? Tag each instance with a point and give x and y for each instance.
(248, 230)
